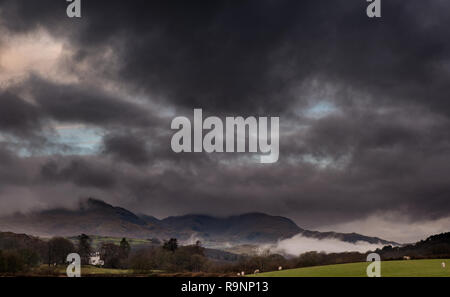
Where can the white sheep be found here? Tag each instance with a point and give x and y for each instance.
(280, 268)
(256, 271)
(443, 264)
(242, 273)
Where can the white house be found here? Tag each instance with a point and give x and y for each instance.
(95, 260)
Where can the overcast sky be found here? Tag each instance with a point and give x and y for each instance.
(364, 106)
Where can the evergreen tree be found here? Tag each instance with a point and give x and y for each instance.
(125, 247)
(84, 248)
(171, 245)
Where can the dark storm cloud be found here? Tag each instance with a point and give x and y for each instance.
(85, 103)
(23, 16)
(405, 129)
(13, 171)
(80, 172)
(127, 147)
(385, 147)
(72, 103)
(231, 56)
(17, 116)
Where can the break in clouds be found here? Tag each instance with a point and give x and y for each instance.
(86, 106)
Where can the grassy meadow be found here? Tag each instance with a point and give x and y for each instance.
(402, 268)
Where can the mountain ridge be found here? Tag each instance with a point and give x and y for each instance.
(97, 217)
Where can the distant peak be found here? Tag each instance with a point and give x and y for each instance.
(93, 203)
(255, 214)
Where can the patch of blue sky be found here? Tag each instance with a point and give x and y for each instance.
(322, 163)
(325, 162)
(60, 140)
(77, 139)
(320, 110)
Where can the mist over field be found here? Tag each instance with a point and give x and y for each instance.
(299, 244)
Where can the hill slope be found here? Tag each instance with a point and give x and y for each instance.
(96, 217)
(251, 227)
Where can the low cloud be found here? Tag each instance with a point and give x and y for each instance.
(299, 244)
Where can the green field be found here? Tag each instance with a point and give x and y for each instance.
(411, 268)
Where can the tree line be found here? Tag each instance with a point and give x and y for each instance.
(20, 253)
